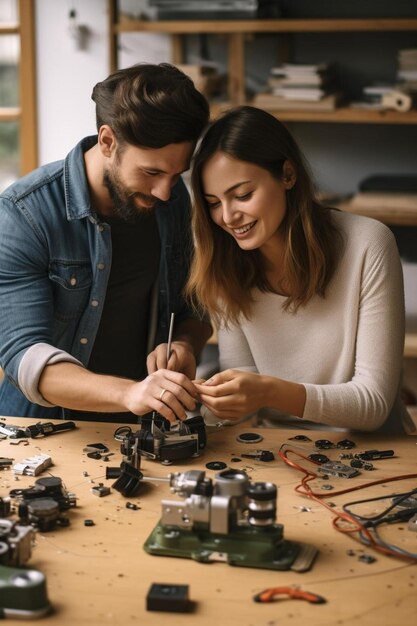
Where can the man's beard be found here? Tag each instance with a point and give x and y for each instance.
(124, 200)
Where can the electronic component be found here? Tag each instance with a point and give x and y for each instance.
(249, 438)
(346, 444)
(35, 430)
(45, 429)
(43, 513)
(33, 466)
(167, 597)
(100, 490)
(160, 440)
(101, 448)
(216, 465)
(335, 468)
(373, 455)
(15, 432)
(5, 462)
(24, 594)
(229, 519)
(358, 463)
(260, 455)
(318, 458)
(324, 444)
(15, 543)
(300, 438)
(43, 505)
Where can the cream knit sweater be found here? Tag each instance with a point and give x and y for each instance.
(346, 349)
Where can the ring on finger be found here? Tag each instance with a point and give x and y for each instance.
(162, 393)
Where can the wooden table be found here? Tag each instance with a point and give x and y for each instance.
(101, 574)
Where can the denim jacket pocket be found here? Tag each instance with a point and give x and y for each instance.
(71, 285)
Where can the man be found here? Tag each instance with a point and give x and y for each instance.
(94, 253)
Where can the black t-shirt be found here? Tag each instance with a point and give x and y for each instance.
(120, 348)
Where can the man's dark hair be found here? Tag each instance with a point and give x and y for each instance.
(151, 105)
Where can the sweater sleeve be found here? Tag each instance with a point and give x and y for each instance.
(364, 402)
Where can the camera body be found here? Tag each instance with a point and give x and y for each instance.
(160, 440)
(230, 519)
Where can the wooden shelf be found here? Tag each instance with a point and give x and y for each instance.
(9, 114)
(410, 345)
(236, 30)
(125, 25)
(342, 115)
(9, 29)
(392, 217)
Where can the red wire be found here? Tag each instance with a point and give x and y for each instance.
(355, 526)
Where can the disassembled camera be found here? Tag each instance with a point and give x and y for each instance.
(23, 591)
(43, 505)
(159, 440)
(229, 519)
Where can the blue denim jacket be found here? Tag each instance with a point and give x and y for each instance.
(55, 259)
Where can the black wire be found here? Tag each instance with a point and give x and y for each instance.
(380, 516)
(383, 544)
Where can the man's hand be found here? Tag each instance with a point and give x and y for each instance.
(167, 392)
(181, 359)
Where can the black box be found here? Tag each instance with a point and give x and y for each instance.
(167, 597)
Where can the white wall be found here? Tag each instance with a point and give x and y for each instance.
(66, 75)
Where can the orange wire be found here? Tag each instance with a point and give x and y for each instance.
(355, 526)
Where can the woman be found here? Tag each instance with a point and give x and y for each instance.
(309, 300)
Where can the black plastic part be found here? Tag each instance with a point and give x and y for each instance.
(48, 428)
(216, 465)
(262, 491)
(346, 444)
(249, 437)
(178, 451)
(319, 458)
(324, 444)
(197, 426)
(129, 480)
(172, 598)
(113, 472)
(372, 455)
(94, 455)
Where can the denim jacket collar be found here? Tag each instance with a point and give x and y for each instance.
(76, 187)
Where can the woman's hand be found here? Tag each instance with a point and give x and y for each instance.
(232, 394)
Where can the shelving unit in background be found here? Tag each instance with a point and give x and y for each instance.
(236, 32)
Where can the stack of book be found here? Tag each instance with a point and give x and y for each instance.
(407, 69)
(198, 10)
(399, 95)
(299, 86)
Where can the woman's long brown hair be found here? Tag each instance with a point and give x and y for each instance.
(223, 276)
